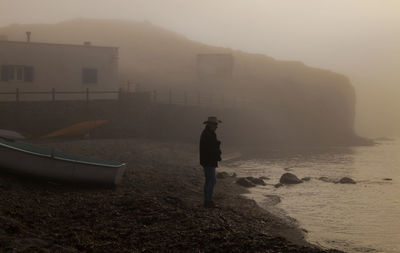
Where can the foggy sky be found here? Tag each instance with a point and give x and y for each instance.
(359, 38)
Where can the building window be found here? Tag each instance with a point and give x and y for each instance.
(89, 75)
(16, 73)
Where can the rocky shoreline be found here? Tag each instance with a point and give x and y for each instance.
(158, 208)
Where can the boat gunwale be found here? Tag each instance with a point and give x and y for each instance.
(61, 158)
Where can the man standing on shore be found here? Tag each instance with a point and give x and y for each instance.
(210, 155)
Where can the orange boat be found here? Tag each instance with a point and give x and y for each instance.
(78, 129)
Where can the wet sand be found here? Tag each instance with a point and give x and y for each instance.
(157, 208)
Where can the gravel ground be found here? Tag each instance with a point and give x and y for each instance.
(157, 208)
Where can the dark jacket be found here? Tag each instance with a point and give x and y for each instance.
(210, 151)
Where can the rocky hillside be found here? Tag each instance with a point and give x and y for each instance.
(291, 102)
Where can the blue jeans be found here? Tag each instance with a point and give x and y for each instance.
(209, 173)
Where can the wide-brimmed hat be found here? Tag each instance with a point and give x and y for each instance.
(212, 119)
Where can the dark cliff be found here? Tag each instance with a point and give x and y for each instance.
(286, 102)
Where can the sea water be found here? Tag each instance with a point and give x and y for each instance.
(361, 217)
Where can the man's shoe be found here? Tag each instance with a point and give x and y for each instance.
(209, 204)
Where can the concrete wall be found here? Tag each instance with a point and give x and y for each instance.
(59, 66)
(36, 118)
(136, 116)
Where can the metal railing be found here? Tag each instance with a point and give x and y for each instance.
(193, 98)
(163, 96)
(87, 93)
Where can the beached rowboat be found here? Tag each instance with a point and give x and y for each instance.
(11, 135)
(28, 159)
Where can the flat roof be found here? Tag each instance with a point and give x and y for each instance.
(55, 44)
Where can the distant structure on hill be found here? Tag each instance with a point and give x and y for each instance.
(32, 67)
(214, 67)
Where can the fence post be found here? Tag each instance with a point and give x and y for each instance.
(128, 84)
(198, 97)
(17, 95)
(170, 96)
(53, 94)
(120, 93)
(154, 96)
(87, 94)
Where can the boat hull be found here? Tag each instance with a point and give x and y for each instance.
(57, 168)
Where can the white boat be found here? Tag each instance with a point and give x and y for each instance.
(11, 135)
(27, 159)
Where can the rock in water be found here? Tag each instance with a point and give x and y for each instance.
(346, 180)
(222, 175)
(245, 182)
(272, 200)
(289, 178)
(257, 181)
(325, 179)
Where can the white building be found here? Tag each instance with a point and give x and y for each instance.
(59, 71)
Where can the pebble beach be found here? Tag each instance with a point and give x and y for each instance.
(157, 208)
